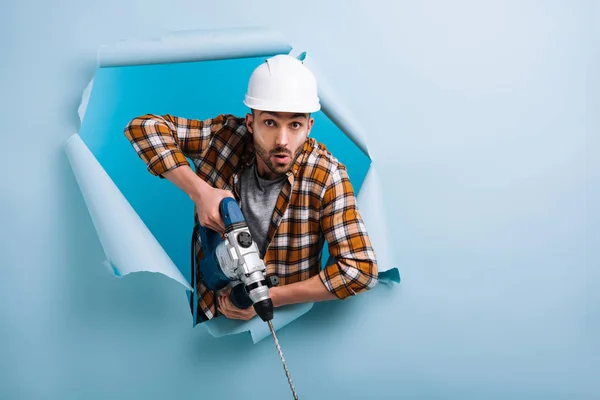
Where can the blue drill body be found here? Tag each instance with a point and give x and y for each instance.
(235, 258)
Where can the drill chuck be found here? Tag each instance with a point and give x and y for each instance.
(244, 296)
(264, 309)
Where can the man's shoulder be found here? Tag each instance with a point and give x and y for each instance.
(319, 154)
(229, 123)
(320, 158)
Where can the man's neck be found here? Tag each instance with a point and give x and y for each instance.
(264, 172)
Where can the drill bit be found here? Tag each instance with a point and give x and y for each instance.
(287, 373)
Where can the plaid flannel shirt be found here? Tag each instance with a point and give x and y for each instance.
(317, 201)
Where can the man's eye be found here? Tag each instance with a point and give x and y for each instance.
(296, 124)
(269, 122)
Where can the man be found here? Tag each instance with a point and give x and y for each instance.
(293, 193)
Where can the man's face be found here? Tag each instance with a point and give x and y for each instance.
(278, 139)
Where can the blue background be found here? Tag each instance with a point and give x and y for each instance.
(482, 120)
(199, 90)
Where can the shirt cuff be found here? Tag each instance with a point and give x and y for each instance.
(166, 161)
(334, 281)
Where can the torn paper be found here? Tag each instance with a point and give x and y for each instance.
(128, 244)
(194, 46)
(168, 76)
(282, 316)
(333, 107)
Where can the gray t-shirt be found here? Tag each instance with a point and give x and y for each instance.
(258, 199)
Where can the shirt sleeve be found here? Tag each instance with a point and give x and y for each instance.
(355, 268)
(164, 141)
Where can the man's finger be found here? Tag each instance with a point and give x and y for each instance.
(215, 227)
(225, 311)
(227, 306)
(208, 223)
(215, 218)
(244, 314)
(232, 314)
(230, 311)
(221, 224)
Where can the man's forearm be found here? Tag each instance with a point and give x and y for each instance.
(308, 291)
(187, 180)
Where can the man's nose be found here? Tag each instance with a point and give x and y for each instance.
(282, 137)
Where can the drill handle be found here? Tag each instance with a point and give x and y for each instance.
(209, 269)
(239, 297)
(232, 216)
(231, 213)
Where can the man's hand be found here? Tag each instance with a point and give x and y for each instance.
(232, 312)
(206, 198)
(207, 206)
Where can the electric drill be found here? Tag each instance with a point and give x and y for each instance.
(236, 259)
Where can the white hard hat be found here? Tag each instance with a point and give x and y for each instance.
(283, 83)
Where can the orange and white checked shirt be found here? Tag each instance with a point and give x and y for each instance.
(317, 202)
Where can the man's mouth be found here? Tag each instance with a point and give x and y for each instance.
(281, 157)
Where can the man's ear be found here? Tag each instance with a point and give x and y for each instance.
(310, 125)
(249, 119)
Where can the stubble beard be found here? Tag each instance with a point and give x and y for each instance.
(277, 169)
